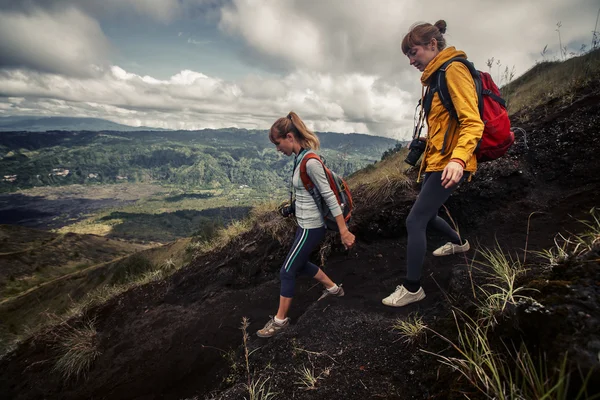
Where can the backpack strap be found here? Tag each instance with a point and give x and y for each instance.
(308, 184)
(444, 93)
(440, 86)
(494, 97)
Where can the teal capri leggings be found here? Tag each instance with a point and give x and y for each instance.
(296, 263)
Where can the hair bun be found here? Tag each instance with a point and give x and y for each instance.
(441, 25)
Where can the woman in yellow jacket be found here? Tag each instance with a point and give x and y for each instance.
(448, 157)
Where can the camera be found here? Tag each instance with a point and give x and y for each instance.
(287, 209)
(417, 147)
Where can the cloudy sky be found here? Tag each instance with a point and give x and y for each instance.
(193, 64)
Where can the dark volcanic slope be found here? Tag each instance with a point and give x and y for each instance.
(166, 340)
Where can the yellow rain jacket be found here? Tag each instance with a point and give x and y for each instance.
(463, 134)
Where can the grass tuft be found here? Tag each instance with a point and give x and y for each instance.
(501, 292)
(77, 349)
(412, 329)
(258, 390)
(581, 247)
(226, 235)
(307, 377)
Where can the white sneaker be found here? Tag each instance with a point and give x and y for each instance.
(451, 248)
(402, 297)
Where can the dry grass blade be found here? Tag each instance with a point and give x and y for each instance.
(384, 187)
(412, 329)
(268, 220)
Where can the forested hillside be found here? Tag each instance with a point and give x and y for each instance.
(196, 159)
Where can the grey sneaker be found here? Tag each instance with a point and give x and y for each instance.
(338, 293)
(451, 248)
(402, 297)
(272, 328)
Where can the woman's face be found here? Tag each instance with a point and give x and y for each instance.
(419, 56)
(285, 144)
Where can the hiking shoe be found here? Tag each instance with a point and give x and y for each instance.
(338, 293)
(402, 297)
(272, 328)
(451, 248)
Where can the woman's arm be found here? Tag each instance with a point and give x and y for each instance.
(464, 98)
(461, 87)
(316, 173)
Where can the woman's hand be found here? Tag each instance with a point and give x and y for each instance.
(347, 238)
(452, 174)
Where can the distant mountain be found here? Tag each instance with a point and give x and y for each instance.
(42, 124)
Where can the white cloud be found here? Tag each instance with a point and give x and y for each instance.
(274, 29)
(163, 11)
(192, 100)
(337, 63)
(365, 36)
(67, 42)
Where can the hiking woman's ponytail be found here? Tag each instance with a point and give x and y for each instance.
(292, 123)
(421, 35)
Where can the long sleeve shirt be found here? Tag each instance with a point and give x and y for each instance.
(307, 212)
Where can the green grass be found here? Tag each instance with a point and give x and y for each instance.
(504, 375)
(575, 246)
(495, 370)
(307, 378)
(259, 390)
(552, 81)
(501, 291)
(15, 286)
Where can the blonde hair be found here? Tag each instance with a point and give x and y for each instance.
(292, 123)
(421, 34)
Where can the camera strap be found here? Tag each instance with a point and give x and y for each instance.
(423, 105)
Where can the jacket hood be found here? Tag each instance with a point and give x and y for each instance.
(438, 61)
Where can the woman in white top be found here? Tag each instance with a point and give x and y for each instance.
(290, 136)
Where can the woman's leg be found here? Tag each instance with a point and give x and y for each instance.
(432, 196)
(286, 302)
(284, 307)
(324, 279)
(297, 263)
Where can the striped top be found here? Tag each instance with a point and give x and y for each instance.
(307, 212)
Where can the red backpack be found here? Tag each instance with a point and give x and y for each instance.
(338, 186)
(497, 136)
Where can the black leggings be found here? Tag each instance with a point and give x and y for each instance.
(424, 213)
